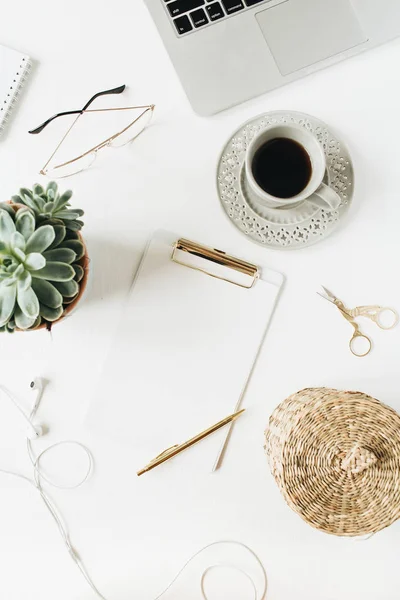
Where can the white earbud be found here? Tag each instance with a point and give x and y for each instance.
(34, 432)
(37, 386)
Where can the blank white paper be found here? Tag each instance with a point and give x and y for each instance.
(184, 349)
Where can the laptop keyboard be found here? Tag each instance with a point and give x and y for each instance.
(190, 15)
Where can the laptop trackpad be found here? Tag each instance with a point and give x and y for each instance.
(303, 32)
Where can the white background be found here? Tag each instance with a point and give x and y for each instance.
(135, 534)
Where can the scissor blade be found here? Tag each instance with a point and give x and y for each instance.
(327, 295)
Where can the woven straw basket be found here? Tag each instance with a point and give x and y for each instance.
(336, 459)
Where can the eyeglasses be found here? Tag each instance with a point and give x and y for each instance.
(124, 136)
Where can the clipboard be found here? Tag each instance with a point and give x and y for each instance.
(185, 348)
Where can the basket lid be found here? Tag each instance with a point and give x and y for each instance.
(336, 458)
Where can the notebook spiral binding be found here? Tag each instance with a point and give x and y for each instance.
(20, 78)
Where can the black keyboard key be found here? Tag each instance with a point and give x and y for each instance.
(183, 25)
(215, 11)
(232, 6)
(178, 7)
(199, 18)
(252, 2)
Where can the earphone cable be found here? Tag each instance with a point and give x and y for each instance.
(222, 565)
(9, 395)
(61, 525)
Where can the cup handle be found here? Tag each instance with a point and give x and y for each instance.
(325, 197)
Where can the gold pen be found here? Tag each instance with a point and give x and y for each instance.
(174, 450)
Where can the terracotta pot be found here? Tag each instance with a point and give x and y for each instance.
(83, 262)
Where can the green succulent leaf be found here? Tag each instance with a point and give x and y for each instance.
(40, 202)
(8, 208)
(27, 199)
(52, 187)
(9, 282)
(35, 261)
(28, 302)
(9, 327)
(65, 255)
(60, 232)
(19, 272)
(69, 289)
(55, 271)
(18, 241)
(38, 189)
(71, 235)
(47, 293)
(51, 314)
(52, 221)
(75, 225)
(25, 223)
(67, 301)
(75, 245)
(22, 321)
(63, 200)
(41, 239)
(79, 273)
(67, 215)
(19, 254)
(25, 280)
(7, 302)
(25, 192)
(37, 322)
(7, 226)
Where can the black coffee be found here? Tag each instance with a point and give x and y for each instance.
(282, 167)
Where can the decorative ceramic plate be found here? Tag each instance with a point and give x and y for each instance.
(287, 228)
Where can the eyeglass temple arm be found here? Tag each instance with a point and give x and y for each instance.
(117, 90)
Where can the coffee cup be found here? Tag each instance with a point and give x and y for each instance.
(285, 166)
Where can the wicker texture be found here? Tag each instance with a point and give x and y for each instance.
(336, 458)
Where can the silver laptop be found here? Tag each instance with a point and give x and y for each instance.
(227, 51)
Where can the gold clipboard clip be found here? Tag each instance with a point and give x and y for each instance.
(220, 258)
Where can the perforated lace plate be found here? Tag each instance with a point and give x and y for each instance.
(283, 228)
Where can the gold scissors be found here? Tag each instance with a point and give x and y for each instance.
(375, 313)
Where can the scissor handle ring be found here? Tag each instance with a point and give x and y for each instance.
(351, 344)
(379, 314)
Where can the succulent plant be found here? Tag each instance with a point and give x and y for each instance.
(40, 270)
(49, 206)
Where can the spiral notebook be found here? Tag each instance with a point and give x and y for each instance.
(14, 68)
(185, 349)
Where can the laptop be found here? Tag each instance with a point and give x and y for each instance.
(228, 51)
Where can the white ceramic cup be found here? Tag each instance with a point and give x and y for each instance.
(316, 191)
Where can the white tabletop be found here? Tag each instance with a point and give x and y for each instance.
(134, 534)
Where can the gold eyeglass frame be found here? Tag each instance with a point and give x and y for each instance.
(105, 143)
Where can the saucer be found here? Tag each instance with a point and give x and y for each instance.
(283, 228)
